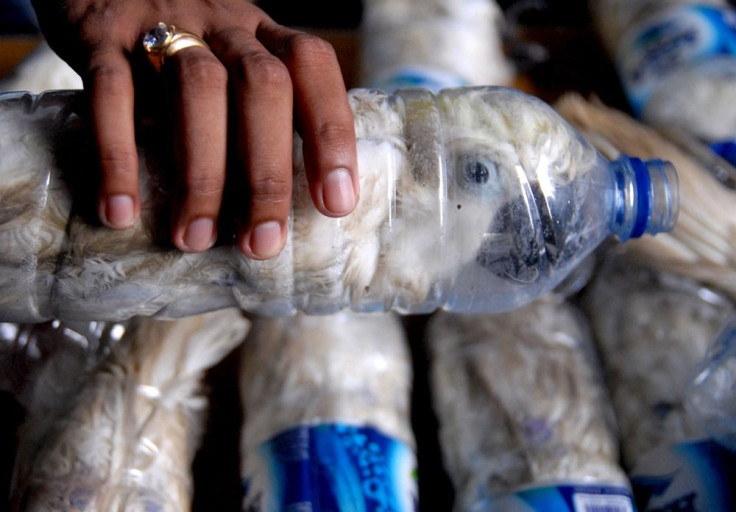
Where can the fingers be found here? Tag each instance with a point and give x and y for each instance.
(111, 92)
(323, 116)
(262, 102)
(199, 82)
(266, 79)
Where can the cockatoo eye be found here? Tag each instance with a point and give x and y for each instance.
(477, 171)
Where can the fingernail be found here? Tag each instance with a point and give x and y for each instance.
(118, 211)
(265, 240)
(200, 235)
(338, 194)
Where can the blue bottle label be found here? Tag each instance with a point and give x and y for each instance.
(331, 468)
(725, 149)
(693, 476)
(564, 498)
(681, 36)
(426, 77)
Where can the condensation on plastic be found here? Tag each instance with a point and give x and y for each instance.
(654, 331)
(125, 439)
(346, 368)
(434, 44)
(521, 402)
(474, 199)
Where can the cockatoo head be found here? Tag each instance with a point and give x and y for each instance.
(511, 163)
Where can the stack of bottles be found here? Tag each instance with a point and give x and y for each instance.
(121, 432)
(474, 200)
(677, 63)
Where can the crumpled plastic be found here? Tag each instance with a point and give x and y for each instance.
(712, 395)
(666, 366)
(521, 403)
(40, 363)
(124, 435)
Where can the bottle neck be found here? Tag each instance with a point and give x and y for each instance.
(647, 197)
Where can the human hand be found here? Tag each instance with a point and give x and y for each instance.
(268, 78)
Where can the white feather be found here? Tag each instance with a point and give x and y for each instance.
(520, 402)
(126, 441)
(419, 220)
(41, 70)
(345, 368)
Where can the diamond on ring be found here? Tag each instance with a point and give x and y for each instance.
(163, 41)
(155, 40)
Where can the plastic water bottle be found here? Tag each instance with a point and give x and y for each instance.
(433, 44)
(666, 344)
(473, 199)
(677, 63)
(142, 408)
(40, 364)
(327, 425)
(525, 422)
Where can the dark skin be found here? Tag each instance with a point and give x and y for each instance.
(270, 78)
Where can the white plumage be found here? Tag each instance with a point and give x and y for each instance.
(445, 42)
(346, 368)
(41, 70)
(41, 363)
(423, 214)
(687, 89)
(113, 435)
(126, 438)
(654, 330)
(521, 403)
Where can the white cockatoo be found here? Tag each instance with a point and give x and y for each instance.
(438, 175)
(521, 402)
(126, 437)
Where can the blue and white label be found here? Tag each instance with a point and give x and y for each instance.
(695, 476)
(426, 77)
(682, 36)
(564, 498)
(331, 468)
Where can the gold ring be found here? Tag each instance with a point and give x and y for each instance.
(163, 41)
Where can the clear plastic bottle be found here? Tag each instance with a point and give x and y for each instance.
(40, 363)
(677, 63)
(525, 421)
(433, 44)
(124, 435)
(327, 415)
(665, 342)
(472, 199)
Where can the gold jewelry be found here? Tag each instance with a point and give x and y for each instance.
(164, 40)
